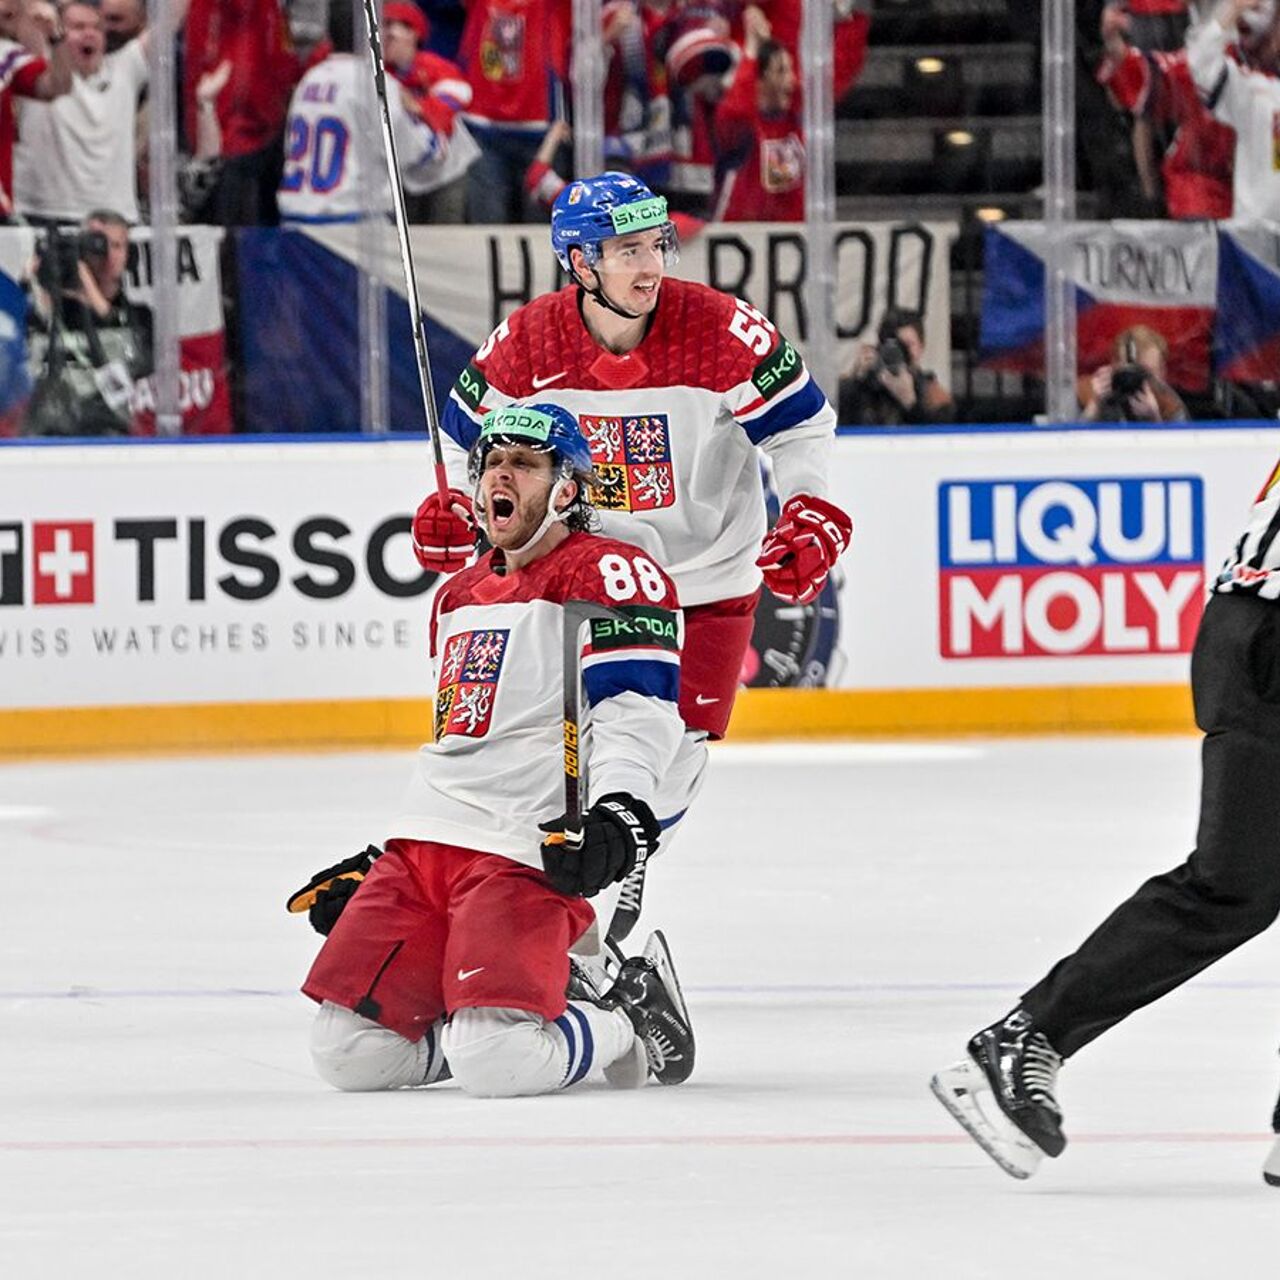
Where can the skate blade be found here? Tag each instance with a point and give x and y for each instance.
(658, 954)
(959, 1089)
(1271, 1169)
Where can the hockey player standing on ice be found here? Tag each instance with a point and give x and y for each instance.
(471, 909)
(676, 386)
(1176, 924)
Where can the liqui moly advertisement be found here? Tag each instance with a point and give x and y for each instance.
(1049, 567)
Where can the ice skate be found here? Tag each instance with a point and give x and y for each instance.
(1271, 1166)
(1002, 1095)
(648, 992)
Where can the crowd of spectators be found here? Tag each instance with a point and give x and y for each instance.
(702, 99)
(1198, 84)
(1202, 99)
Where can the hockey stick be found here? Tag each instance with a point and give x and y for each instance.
(417, 318)
(577, 614)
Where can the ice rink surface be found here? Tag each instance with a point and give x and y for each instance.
(843, 918)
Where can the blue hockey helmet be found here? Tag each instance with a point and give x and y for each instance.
(590, 211)
(548, 428)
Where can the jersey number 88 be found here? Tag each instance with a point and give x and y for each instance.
(624, 579)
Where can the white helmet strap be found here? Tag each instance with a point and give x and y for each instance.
(551, 517)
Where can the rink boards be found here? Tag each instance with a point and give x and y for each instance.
(177, 594)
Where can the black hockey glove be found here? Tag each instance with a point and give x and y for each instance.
(325, 894)
(618, 831)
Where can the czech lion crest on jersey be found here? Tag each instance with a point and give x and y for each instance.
(633, 460)
(469, 673)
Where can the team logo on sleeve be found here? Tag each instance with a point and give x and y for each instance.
(633, 461)
(469, 673)
(471, 387)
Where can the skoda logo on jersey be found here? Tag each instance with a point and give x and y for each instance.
(1070, 567)
(61, 563)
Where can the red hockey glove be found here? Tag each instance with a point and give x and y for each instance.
(799, 551)
(444, 532)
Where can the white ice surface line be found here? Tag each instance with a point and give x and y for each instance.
(809, 753)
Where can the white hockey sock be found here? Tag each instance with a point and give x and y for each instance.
(594, 1039)
(353, 1053)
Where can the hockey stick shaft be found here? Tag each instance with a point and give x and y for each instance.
(577, 614)
(417, 318)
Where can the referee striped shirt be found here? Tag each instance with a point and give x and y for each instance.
(1253, 567)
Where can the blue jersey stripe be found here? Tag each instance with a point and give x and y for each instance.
(571, 1043)
(632, 675)
(588, 1045)
(457, 425)
(796, 408)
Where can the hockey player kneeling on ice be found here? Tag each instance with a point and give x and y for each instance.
(447, 953)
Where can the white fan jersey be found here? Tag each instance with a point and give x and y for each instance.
(673, 425)
(1248, 99)
(334, 165)
(496, 767)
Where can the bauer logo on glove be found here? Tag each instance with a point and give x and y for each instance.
(800, 550)
(618, 833)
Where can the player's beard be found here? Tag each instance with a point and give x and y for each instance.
(526, 513)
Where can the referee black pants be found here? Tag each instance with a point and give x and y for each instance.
(1228, 890)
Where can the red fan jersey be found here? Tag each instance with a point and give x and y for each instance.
(515, 54)
(19, 71)
(1197, 165)
(762, 156)
(253, 35)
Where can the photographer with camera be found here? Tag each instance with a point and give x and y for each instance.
(89, 342)
(886, 386)
(1132, 388)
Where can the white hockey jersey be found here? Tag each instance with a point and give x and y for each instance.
(1253, 567)
(334, 166)
(495, 769)
(673, 425)
(1248, 100)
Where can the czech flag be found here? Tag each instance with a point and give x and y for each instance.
(1159, 274)
(1246, 344)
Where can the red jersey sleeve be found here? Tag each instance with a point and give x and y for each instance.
(26, 76)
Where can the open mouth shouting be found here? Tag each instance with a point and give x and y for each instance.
(502, 511)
